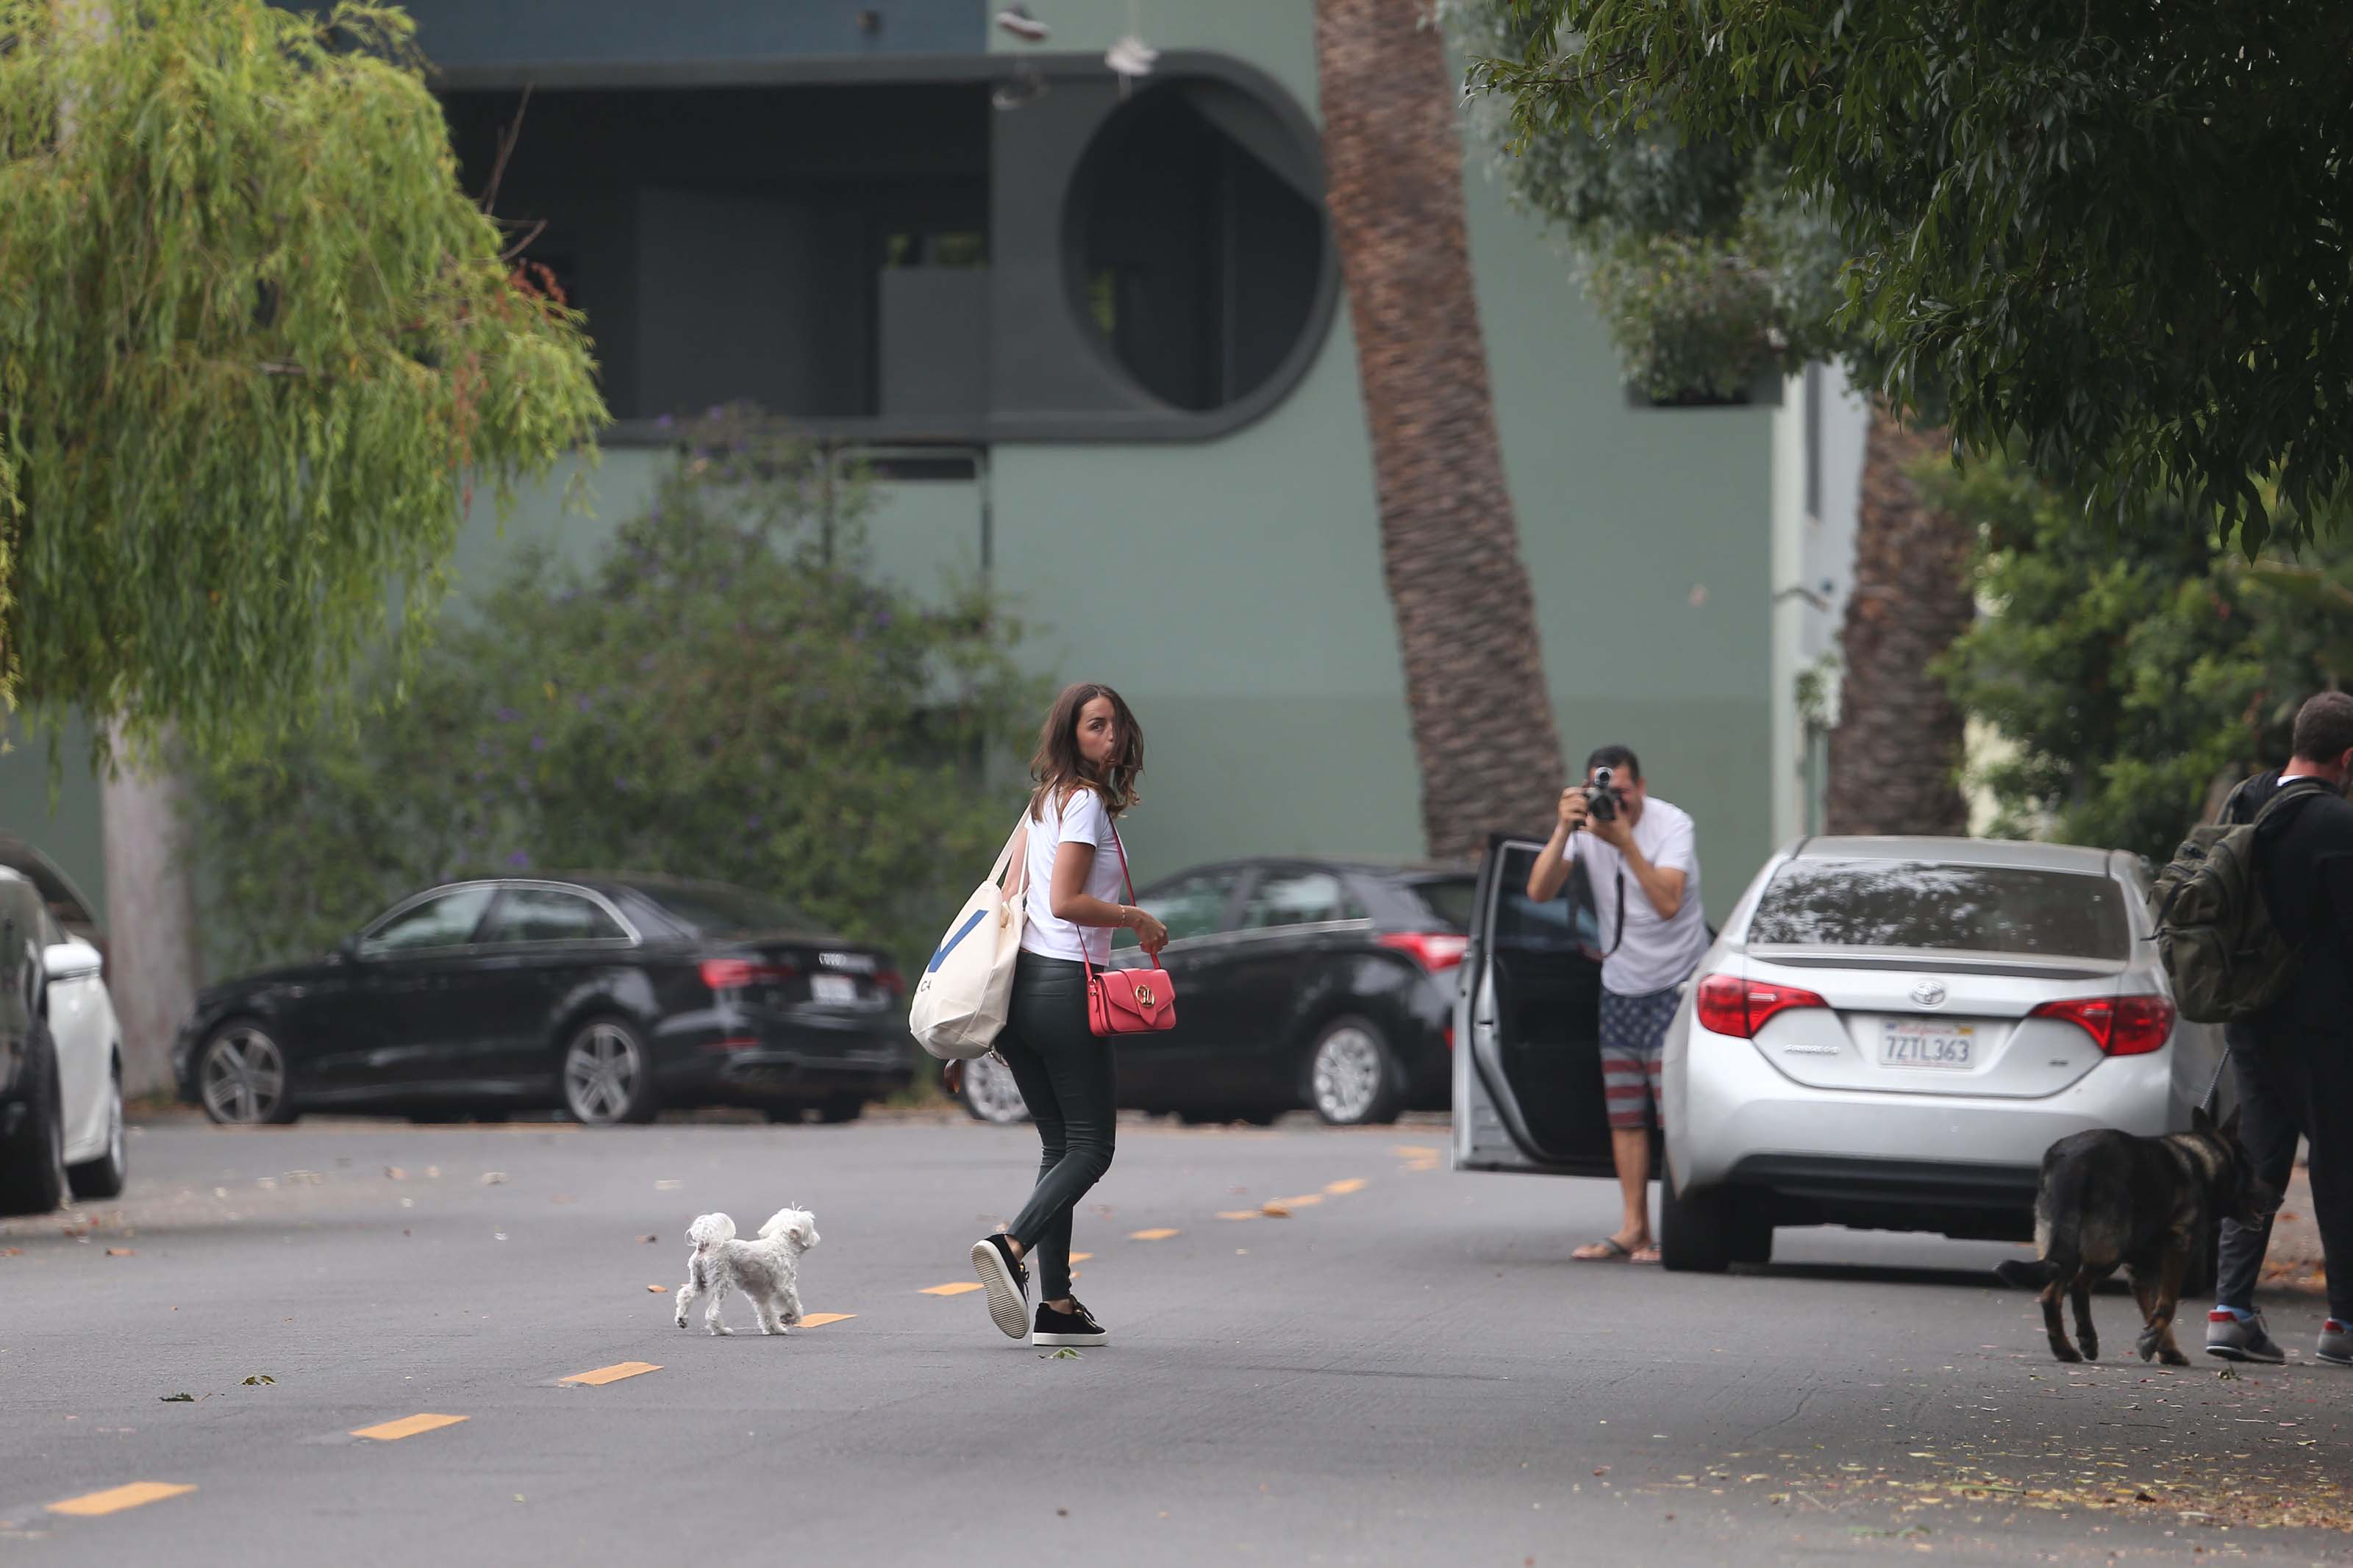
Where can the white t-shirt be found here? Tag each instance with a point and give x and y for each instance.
(1081, 820)
(1654, 953)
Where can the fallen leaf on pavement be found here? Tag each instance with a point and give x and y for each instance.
(658, 1290)
(395, 1173)
(1275, 1211)
(11, 1252)
(1065, 1353)
(121, 1252)
(258, 1380)
(649, 1239)
(179, 1399)
(493, 1178)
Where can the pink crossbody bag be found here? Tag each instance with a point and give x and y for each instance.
(1128, 1001)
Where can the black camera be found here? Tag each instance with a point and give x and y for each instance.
(1601, 797)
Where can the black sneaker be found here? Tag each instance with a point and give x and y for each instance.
(1007, 1279)
(1075, 1327)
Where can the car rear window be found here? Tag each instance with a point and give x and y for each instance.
(719, 911)
(1922, 904)
(1451, 898)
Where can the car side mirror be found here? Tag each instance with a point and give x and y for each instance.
(70, 959)
(346, 949)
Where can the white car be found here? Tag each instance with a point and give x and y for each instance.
(1887, 1034)
(60, 1061)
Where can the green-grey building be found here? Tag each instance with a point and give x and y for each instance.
(1090, 334)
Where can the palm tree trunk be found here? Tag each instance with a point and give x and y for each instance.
(1482, 725)
(1895, 756)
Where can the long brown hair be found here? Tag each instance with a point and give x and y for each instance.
(1058, 768)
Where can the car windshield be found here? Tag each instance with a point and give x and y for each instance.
(714, 909)
(1920, 904)
(1451, 898)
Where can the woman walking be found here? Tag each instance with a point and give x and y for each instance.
(1090, 754)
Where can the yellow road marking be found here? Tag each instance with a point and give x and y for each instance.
(1419, 1166)
(604, 1375)
(954, 1288)
(1308, 1201)
(1353, 1184)
(1150, 1234)
(1415, 1151)
(1080, 1257)
(1238, 1214)
(114, 1499)
(819, 1320)
(407, 1426)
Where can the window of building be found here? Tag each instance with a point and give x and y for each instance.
(1195, 253)
(879, 259)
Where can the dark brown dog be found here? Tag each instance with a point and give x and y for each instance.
(2110, 1200)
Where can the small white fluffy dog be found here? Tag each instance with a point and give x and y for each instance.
(768, 1270)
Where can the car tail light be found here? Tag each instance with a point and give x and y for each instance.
(1436, 951)
(2119, 1026)
(735, 974)
(1730, 1005)
(891, 981)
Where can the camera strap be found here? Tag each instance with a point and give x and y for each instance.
(1620, 934)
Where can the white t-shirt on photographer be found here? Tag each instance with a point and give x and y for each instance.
(1654, 953)
(1082, 820)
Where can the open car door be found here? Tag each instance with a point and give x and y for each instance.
(1527, 1026)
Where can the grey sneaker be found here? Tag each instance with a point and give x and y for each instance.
(2336, 1344)
(2233, 1338)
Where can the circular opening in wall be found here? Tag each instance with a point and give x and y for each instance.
(1194, 240)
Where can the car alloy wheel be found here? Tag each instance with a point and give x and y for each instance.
(242, 1078)
(1349, 1077)
(990, 1093)
(604, 1076)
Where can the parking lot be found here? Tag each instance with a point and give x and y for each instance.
(1330, 1348)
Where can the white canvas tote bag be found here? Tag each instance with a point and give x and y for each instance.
(961, 1001)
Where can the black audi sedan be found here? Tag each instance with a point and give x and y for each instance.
(1321, 983)
(606, 997)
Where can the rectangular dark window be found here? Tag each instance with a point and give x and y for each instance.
(1962, 909)
(731, 243)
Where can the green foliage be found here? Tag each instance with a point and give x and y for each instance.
(257, 346)
(2113, 235)
(1705, 273)
(728, 691)
(2132, 668)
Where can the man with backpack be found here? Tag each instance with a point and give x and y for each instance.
(2288, 994)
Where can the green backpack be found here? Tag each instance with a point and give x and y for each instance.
(2214, 933)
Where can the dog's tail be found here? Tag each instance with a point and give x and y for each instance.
(710, 1230)
(2025, 1276)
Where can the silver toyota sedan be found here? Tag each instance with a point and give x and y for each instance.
(1887, 1034)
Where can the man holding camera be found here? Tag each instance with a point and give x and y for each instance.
(1642, 860)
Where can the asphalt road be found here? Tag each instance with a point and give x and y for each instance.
(1409, 1369)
